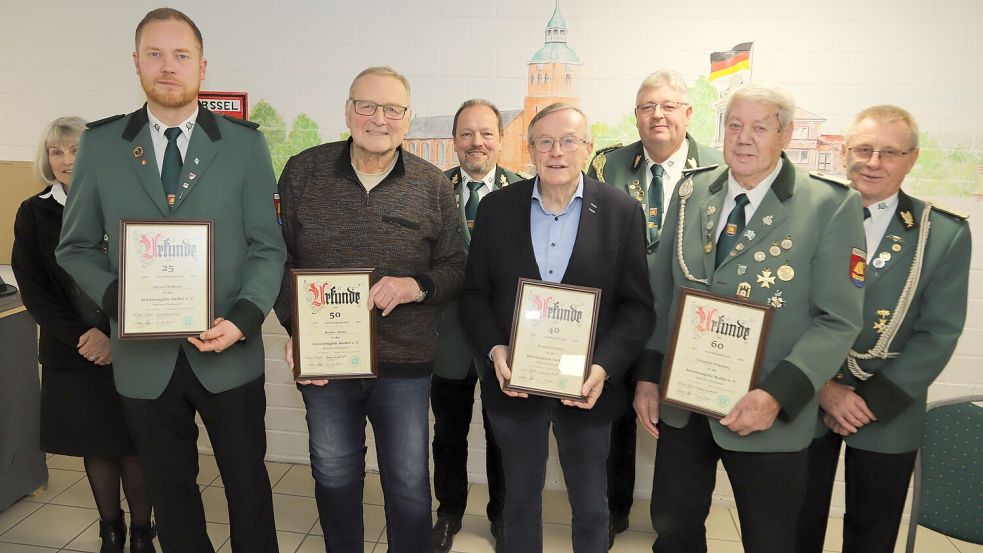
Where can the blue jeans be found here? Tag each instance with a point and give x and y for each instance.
(336, 415)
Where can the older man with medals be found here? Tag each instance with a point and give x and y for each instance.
(914, 312)
(761, 231)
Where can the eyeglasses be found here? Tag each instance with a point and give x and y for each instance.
(367, 108)
(666, 107)
(864, 153)
(567, 143)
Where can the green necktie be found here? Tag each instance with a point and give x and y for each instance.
(732, 230)
(170, 170)
(471, 206)
(655, 202)
(866, 214)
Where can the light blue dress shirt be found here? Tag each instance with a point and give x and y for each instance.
(554, 234)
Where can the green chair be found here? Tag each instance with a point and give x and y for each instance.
(948, 494)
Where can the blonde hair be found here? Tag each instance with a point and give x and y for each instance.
(887, 113)
(61, 131)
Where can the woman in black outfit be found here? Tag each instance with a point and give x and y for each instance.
(81, 413)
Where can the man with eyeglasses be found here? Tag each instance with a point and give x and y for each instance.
(560, 227)
(761, 231)
(647, 170)
(914, 311)
(477, 131)
(365, 202)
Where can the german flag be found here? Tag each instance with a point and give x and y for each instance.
(726, 63)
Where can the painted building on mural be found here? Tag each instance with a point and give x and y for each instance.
(553, 76)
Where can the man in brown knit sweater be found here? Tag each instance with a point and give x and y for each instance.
(367, 203)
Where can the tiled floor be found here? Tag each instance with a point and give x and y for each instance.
(64, 518)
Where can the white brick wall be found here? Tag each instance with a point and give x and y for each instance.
(836, 57)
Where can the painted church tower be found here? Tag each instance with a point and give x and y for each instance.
(554, 73)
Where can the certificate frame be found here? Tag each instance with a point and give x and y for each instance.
(707, 314)
(304, 327)
(526, 335)
(134, 270)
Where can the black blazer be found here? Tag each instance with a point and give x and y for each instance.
(50, 295)
(609, 254)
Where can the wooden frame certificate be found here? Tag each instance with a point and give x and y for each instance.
(715, 352)
(552, 340)
(333, 327)
(165, 278)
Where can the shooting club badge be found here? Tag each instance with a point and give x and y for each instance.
(857, 265)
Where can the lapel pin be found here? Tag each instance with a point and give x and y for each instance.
(767, 220)
(759, 256)
(138, 151)
(775, 250)
(787, 243)
(744, 290)
(878, 263)
(196, 161)
(777, 301)
(192, 176)
(766, 279)
(896, 247)
(711, 210)
(749, 234)
(909, 219)
(741, 269)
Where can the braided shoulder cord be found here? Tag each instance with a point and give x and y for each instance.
(881, 349)
(685, 191)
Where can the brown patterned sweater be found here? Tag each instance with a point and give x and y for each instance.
(408, 225)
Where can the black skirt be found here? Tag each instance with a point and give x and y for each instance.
(81, 413)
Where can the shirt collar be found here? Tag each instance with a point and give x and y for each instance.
(578, 194)
(488, 179)
(757, 194)
(884, 208)
(676, 162)
(57, 193)
(157, 127)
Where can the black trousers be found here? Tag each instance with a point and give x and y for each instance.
(452, 402)
(621, 459)
(768, 487)
(166, 435)
(876, 488)
(582, 450)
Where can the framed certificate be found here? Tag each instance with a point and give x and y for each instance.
(715, 352)
(165, 278)
(552, 340)
(333, 327)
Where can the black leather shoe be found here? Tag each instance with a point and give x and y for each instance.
(498, 532)
(443, 534)
(616, 525)
(113, 534)
(142, 539)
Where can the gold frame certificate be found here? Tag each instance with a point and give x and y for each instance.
(333, 327)
(165, 278)
(715, 352)
(552, 341)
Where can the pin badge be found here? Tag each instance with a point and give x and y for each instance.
(138, 151)
(192, 176)
(749, 234)
(766, 279)
(711, 210)
(454, 179)
(767, 220)
(503, 181)
(786, 273)
(708, 247)
(633, 185)
(909, 219)
(143, 162)
(878, 263)
(739, 247)
(185, 185)
(774, 250)
(709, 225)
(638, 159)
(787, 243)
(744, 290)
(886, 256)
(896, 247)
(776, 300)
(759, 256)
(741, 269)
(196, 161)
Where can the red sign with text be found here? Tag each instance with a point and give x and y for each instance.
(233, 104)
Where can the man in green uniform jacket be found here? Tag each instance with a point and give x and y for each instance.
(757, 230)
(477, 132)
(914, 311)
(647, 170)
(174, 160)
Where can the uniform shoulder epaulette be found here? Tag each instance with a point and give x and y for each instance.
(109, 119)
(830, 178)
(695, 170)
(947, 211)
(523, 175)
(243, 122)
(607, 149)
